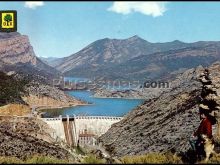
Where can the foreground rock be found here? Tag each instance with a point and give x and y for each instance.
(163, 123)
(25, 137)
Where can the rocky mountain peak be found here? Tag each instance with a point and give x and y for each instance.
(17, 54)
(177, 42)
(8, 35)
(136, 38)
(15, 48)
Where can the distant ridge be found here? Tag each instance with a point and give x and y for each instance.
(136, 58)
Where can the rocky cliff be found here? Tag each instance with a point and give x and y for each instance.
(162, 123)
(16, 48)
(25, 77)
(16, 52)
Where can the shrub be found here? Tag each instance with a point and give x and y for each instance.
(91, 159)
(11, 89)
(215, 159)
(33, 160)
(79, 150)
(10, 160)
(45, 160)
(152, 158)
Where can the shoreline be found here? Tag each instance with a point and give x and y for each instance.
(104, 97)
(126, 98)
(40, 108)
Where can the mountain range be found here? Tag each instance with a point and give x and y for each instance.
(136, 59)
(159, 124)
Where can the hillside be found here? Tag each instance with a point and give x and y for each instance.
(137, 59)
(52, 61)
(165, 65)
(11, 90)
(113, 51)
(162, 123)
(25, 137)
(25, 79)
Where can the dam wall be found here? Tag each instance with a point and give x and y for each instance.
(69, 128)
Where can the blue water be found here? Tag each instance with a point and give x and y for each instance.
(99, 107)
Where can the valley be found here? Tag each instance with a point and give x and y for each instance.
(119, 120)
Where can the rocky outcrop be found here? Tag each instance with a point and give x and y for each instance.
(16, 48)
(16, 52)
(129, 93)
(45, 96)
(25, 137)
(162, 123)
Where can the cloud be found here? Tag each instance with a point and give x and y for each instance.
(33, 4)
(154, 9)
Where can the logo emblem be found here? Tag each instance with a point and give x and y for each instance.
(8, 21)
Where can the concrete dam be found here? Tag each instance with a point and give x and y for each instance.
(80, 129)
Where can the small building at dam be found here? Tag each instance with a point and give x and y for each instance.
(71, 129)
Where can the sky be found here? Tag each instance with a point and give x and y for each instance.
(59, 29)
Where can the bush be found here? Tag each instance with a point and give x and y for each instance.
(10, 160)
(33, 160)
(79, 150)
(91, 159)
(152, 158)
(45, 160)
(215, 159)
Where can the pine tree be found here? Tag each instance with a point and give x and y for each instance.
(209, 99)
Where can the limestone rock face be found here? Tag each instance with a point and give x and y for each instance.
(17, 54)
(162, 123)
(15, 49)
